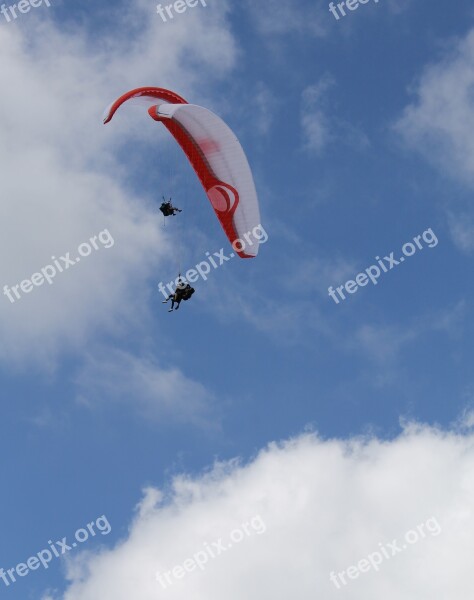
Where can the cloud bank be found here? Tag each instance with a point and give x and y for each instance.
(312, 507)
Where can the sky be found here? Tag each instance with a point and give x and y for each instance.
(304, 425)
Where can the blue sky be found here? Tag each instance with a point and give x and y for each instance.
(358, 134)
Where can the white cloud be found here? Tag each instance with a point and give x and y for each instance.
(286, 322)
(461, 227)
(439, 122)
(279, 18)
(314, 121)
(383, 343)
(266, 105)
(325, 505)
(276, 19)
(144, 386)
(317, 273)
(399, 6)
(320, 127)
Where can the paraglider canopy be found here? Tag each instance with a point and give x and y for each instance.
(216, 156)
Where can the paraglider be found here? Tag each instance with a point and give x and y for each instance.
(168, 209)
(183, 292)
(215, 155)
